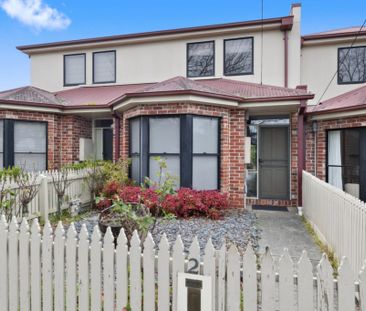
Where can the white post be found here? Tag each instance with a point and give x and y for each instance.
(43, 197)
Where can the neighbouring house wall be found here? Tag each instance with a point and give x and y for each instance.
(293, 171)
(233, 124)
(318, 161)
(63, 134)
(319, 64)
(72, 129)
(157, 61)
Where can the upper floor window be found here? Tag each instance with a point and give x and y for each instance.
(238, 56)
(104, 67)
(201, 59)
(352, 65)
(74, 69)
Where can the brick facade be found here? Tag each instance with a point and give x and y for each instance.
(63, 134)
(319, 139)
(232, 167)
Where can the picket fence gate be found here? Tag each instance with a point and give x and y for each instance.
(338, 218)
(70, 271)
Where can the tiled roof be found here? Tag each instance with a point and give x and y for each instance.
(97, 95)
(104, 96)
(338, 30)
(352, 100)
(252, 90)
(31, 94)
(336, 33)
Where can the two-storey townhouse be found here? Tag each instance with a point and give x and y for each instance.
(225, 105)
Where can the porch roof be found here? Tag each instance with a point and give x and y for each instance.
(90, 97)
(349, 101)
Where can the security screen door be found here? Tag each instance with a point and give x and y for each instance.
(273, 162)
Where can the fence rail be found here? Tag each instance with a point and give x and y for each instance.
(58, 271)
(45, 202)
(338, 218)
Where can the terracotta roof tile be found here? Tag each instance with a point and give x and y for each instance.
(352, 100)
(31, 94)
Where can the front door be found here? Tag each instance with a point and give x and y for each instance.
(107, 144)
(274, 162)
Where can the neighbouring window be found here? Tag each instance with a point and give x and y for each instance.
(201, 59)
(24, 144)
(74, 69)
(205, 153)
(189, 144)
(344, 160)
(104, 67)
(1, 143)
(103, 139)
(352, 65)
(238, 56)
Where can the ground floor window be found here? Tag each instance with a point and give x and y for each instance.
(24, 144)
(103, 139)
(346, 150)
(188, 143)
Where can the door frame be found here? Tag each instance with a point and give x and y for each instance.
(288, 162)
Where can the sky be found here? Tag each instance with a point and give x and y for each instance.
(25, 22)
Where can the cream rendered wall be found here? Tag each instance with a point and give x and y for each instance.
(319, 64)
(157, 61)
(294, 48)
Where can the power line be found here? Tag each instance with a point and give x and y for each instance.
(344, 58)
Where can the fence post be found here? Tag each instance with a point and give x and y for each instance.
(43, 197)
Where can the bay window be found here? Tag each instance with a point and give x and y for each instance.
(189, 145)
(205, 153)
(24, 143)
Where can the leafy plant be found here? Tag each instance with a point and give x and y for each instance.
(7, 194)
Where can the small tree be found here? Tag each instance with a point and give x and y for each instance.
(29, 185)
(61, 182)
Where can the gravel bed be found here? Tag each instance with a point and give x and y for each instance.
(237, 226)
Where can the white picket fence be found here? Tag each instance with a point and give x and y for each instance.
(45, 202)
(69, 271)
(338, 218)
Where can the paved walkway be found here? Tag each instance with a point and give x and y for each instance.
(285, 229)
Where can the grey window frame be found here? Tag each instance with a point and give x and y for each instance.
(64, 69)
(115, 67)
(224, 58)
(187, 56)
(338, 65)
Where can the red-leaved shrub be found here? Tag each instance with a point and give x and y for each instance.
(189, 203)
(185, 203)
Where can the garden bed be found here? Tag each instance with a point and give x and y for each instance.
(236, 226)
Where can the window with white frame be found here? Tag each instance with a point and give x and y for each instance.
(74, 69)
(104, 67)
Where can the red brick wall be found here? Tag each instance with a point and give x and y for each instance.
(293, 171)
(63, 134)
(232, 141)
(321, 142)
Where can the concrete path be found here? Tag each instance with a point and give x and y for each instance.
(285, 229)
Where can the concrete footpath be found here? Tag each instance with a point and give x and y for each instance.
(285, 229)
